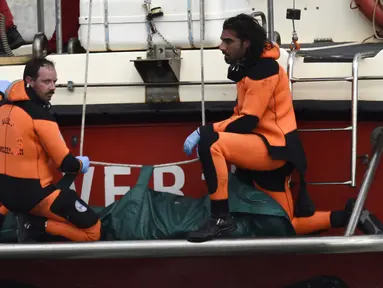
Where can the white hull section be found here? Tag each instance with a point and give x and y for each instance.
(126, 20)
(117, 68)
(127, 30)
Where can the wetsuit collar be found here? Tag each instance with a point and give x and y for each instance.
(35, 98)
(237, 71)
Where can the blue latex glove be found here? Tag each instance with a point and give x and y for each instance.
(85, 163)
(4, 84)
(191, 142)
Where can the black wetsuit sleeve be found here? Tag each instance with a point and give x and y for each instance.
(243, 125)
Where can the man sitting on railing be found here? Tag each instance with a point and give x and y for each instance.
(30, 141)
(260, 137)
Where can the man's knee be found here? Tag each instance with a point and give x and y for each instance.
(94, 233)
(72, 208)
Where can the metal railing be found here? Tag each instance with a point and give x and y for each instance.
(377, 142)
(41, 22)
(354, 79)
(40, 16)
(182, 248)
(270, 20)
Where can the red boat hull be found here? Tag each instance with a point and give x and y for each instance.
(279, 271)
(328, 156)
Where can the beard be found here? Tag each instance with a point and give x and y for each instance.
(229, 60)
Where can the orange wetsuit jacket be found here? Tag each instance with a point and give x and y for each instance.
(264, 94)
(265, 107)
(30, 142)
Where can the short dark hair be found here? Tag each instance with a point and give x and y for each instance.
(246, 27)
(33, 66)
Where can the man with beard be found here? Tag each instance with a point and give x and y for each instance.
(260, 138)
(30, 142)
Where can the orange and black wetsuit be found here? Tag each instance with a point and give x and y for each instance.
(30, 146)
(261, 137)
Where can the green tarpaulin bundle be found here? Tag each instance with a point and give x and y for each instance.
(145, 214)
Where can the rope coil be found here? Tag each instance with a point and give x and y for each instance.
(202, 20)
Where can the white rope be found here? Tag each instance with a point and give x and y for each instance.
(86, 80)
(202, 38)
(139, 165)
(86, 88)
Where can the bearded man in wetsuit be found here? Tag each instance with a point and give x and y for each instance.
(31, 146)
(260, 138)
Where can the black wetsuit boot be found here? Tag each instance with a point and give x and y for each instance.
(30, 228)
(219, 223)
(368, 223)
